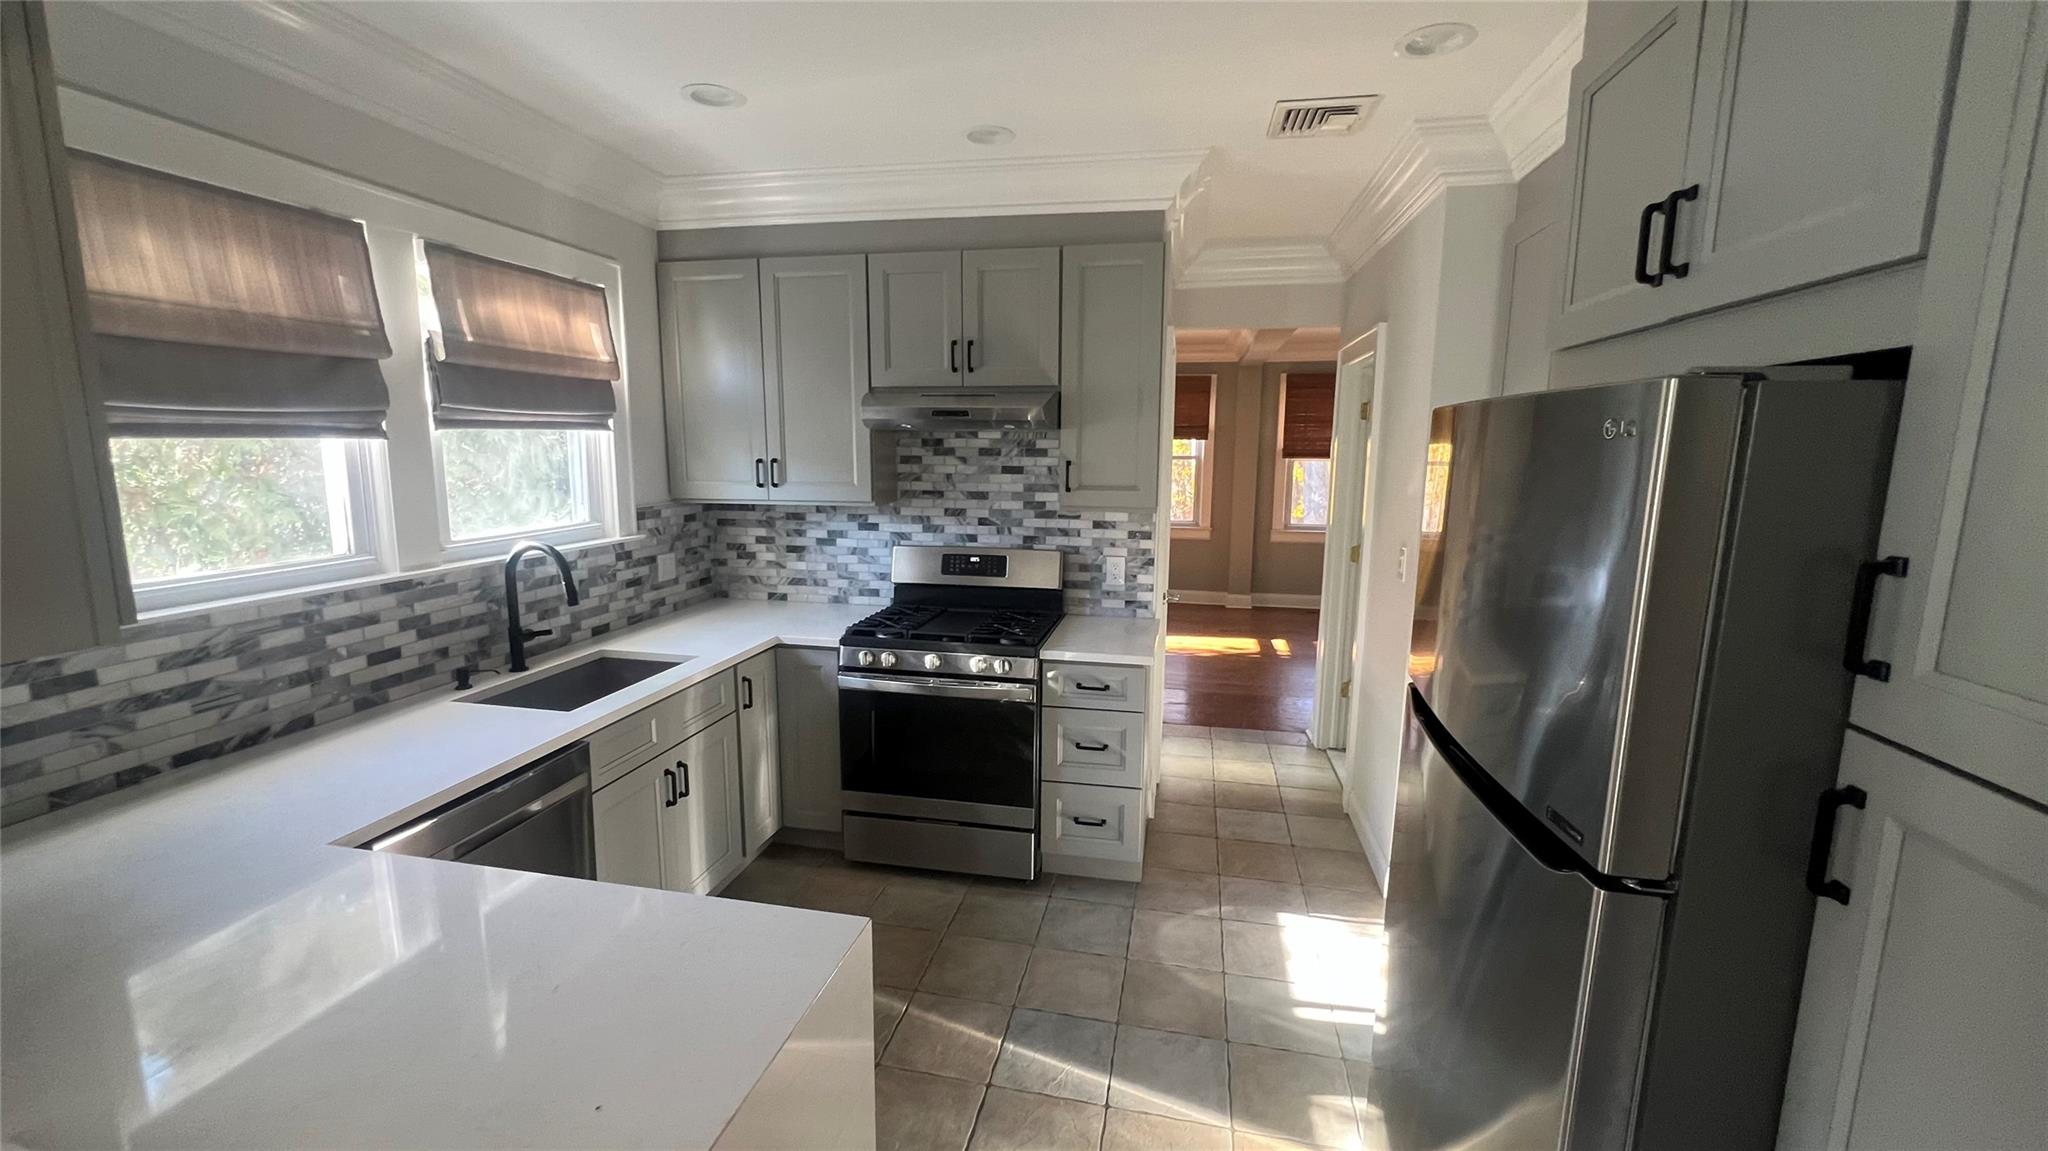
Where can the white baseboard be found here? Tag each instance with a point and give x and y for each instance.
(1377, 856)
(1285, 599)
(1256, 599)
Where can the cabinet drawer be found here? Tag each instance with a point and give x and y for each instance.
(1092, 685)
(1080, 819)
(1102, 747)
(625, 745)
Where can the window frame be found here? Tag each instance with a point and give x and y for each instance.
(395, 537)
(1283, 480)
(597, 462)
(1205, 467)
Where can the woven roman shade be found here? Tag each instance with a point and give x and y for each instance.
(216, 313)
(518, 348)
(1307, 410)
(1191, 407)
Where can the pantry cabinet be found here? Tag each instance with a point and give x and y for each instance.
(1723, 152)
(1112, 349)
(764, 363)
(760, 775)
(979, 319)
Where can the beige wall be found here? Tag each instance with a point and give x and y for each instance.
(1240, 557)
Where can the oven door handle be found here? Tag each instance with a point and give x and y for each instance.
(946, 688)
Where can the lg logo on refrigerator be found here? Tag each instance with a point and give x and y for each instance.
(1625, 429)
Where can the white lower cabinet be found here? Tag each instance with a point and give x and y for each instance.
(674, 822)
(807, 700)
(1090, 830)
(1924, 1020)
(1094, 757)
(760, 774)
(625, 817)
(1077, 745)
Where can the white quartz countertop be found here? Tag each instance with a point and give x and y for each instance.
(1105, 639)
(192, 963)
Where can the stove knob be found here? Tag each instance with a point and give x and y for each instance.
(888, 659)
(1002, 666)
(978, 665)
(932, 662)
(866, 658)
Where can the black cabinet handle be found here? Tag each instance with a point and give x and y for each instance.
(1671, 202)
(1853, 658)
(1084, 821)
(1079, 746)
(1091, 686)
(1070, 475)
(746, 693)
(1832, 800)
(775, 467)
(668, 788)
(685, 769)
(953, 357)
(760, 472)
(1650, 211)
(970, 355)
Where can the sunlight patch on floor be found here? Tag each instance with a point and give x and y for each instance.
(1211, 645)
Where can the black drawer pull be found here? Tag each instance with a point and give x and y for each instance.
(746, 693)
(1853, 658)
(1092, 687)
(1832, 800)
(1090, 746)
(1084, 821)
(668, 788)
(685, 769)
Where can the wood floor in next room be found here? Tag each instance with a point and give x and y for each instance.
(1226, 1002)
(1240, 667)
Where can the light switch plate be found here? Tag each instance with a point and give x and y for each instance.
(1112, 571)
(664, 567)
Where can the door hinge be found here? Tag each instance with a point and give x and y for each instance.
(1344, 692)
(1354, 553)
(1365, 409)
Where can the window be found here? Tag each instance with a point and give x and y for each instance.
(1190, 489)
(1302, 487)
(1188, 502)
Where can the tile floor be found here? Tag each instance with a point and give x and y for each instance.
(1227, 1001)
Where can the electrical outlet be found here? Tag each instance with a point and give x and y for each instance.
(1112, 571)
(1401, 566)
(664, 568)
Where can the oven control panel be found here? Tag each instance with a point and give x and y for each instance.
(974, 564)
(1023, 669)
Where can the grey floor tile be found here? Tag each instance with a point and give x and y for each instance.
(1253, 774)
(1248, 796)
(1307, 801)
(917, 902)
(1233, 752)
(1257, 826)
(829, 888)
(1260, 901)
(1137, 1131)
(1271, 1013)
(1305, 756)
(1178, 999)
(1337, 903)
(1181, 852)
(1328, 834)
(901, 954)
(986, 913)
(1334, 869)
(1306, 776)
(1372, 1125)
(940, 1035)
(1021, 1121)
(1182, 819)
(1097, 928)
(1289, 1095)
(1081, 887)
(1287, 738)
(1041, 884)
(1199, 791)
(1164, 1073)
(1183, 745)
(889, 1005)
(1236, 735)
(1073, 983)
(1257, 949)
(1188, 730)
(1180, 892)
(774, 881)
(1249, 860)
(1187, 767)
(1178, 940)
(1058, 1055)
(916, 1112)
(973, 968)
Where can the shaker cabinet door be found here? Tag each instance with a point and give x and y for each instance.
(626, 818)
(814, 344)
(1112, 345)
(914, 319)
(760, 752)
(1010, 318)
(711, 369)
(700, 840)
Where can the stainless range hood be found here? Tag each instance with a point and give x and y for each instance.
(916, 409)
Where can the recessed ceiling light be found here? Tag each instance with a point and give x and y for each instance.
(990, 134)
(714, 95)
(1435, 40)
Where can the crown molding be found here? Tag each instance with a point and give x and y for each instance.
(1530, 116)
(1434, 153)
(1107, 182)
(324, 50)
(1259, 263)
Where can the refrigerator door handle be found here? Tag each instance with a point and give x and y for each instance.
(1542, 844)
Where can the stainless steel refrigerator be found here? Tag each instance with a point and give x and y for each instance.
(1629, 694)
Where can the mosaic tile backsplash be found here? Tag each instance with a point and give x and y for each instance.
(199, 686)
(961, 489)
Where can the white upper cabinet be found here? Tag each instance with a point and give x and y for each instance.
(1010, 318)
(814, 357)
(1728, 151)
(914, 319)
(711, 371)
(1112, 347)
(1965, 628)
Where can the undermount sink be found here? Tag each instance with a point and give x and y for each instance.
(570, 687)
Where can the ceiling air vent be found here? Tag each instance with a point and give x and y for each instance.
(1331, 116)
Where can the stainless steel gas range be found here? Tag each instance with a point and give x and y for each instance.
(938, 712)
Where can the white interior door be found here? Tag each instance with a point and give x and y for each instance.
(1924, 1019)
(1337, 626)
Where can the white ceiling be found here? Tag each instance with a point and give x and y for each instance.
(1144, 91)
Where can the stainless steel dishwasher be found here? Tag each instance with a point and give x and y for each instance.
(536, 819)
